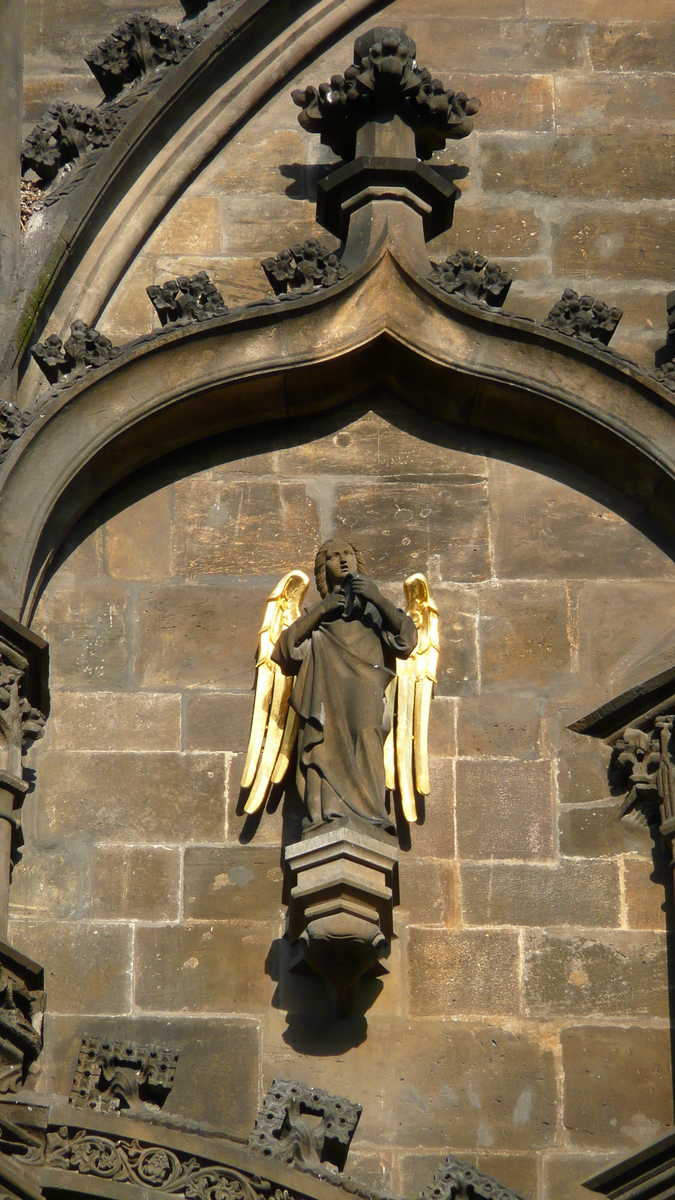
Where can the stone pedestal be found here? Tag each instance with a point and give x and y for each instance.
(341, 887)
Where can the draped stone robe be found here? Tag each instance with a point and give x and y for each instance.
(342, 671)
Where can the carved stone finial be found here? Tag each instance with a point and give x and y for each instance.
(584, 318)
(64, 133)
(470, 276)
(122, 1076)
(456, 1180)
(139, 45)
(385, 81)
(85, 347)
(183, 300)
(303, 268)
(280, 1132)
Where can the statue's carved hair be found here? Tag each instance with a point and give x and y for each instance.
(320, 565)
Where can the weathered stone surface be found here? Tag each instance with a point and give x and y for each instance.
(138, 539)
(88, 631)
(204, 967)
(644, 894)
(619, 627)
(114, 721)
(604, 100)
(583, 166)
(150, 797)
(192, 226)
(520, 101)
(582, 761)
(543, 528)
(218, 721)
(218, 1062)
(87, 966)
(243, 528)
(615, 974)
(610, 244)
(504, 809)
(429, 891)
(198, 635)
(442, 728)
(434, 834)
(495, 724)
(135, 883)
(643, 46)
(570, 893)
(457, 673)
(601, 1109)
(493, 231)
(565, 1174)
(595, 831)
(398, 522)
(523, 634)
(463, 973)
(254, 225)
(517, 1171)
(467, 44)
(51, 883)
(242, 883)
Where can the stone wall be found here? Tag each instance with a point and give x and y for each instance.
(524, 1023)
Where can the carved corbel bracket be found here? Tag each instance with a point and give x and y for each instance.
(341, 888)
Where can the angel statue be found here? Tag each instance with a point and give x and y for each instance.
(350, 681)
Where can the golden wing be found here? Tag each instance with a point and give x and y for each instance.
(274, 724)
(406, 751)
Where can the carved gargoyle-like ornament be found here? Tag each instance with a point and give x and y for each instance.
(346, 687)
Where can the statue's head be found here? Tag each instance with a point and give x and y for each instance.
(337, 558)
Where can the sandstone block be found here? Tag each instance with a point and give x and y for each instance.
(457, 668)
(614, 974)
(254, 165)
(199, 635)
(600, 1110)
(454, 973)
(115, 721)
(233, 883)
(468, 44)
(204, 967)
(429, 891)
(495, 724)
(135, 883)
(147, 797)
(51, 883)
(88, 631)
(619, 627)
(610, 244)
(504, 809)
(87, 966)
(264, 225)
(218, 721)
(442, 728)
(565, 1174)
(517, 102)
(604, 99)
(582, 761)
(495, 232)
(594, 831)
(241, 528)
(422, 526)
(138, 539)
(434, 835)
(523, 634)
(634, 47)
(644, 894)
(279, 824)
(192, 225)
(218, 1062)
(583, 166)
(570, 893)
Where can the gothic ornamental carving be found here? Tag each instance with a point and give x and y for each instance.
(139, 45)
(22, 1002)
(13, 423)
(85, 348)
(456, 1180)
(584, 318)
(64, 133)
(122, 1076)
(385, 75)
(185, 299)
(303, 268)
(471, 277)
(281, 1133)
(350, 681)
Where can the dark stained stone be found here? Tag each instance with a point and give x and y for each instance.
(504, 809)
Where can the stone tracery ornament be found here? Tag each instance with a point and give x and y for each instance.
(347, 686)
(281, 1133)
(122, 1076)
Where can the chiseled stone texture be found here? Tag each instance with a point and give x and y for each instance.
(529, 956)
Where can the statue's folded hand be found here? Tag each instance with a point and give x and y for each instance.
(332, 606)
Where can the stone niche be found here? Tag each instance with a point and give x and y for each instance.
(528, 924)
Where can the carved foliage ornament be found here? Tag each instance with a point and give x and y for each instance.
(65, 132)
(183, 300)
(280, 1132)
(112, 1076)
(583, 317)
(643, 759)
(139, 45)
(13, 423)
(456, 1180)
(85, 347)
(304, 268)
(385, 78)
(470, 276)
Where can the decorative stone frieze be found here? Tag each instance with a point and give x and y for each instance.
(184, 300)
(456, 1180)
(139, 45)
(470, 276)
(85, 348)
(64, 133)
(122, 1076)
(280, 1132)
(583, 317)
(385, 76)
(303, 268)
